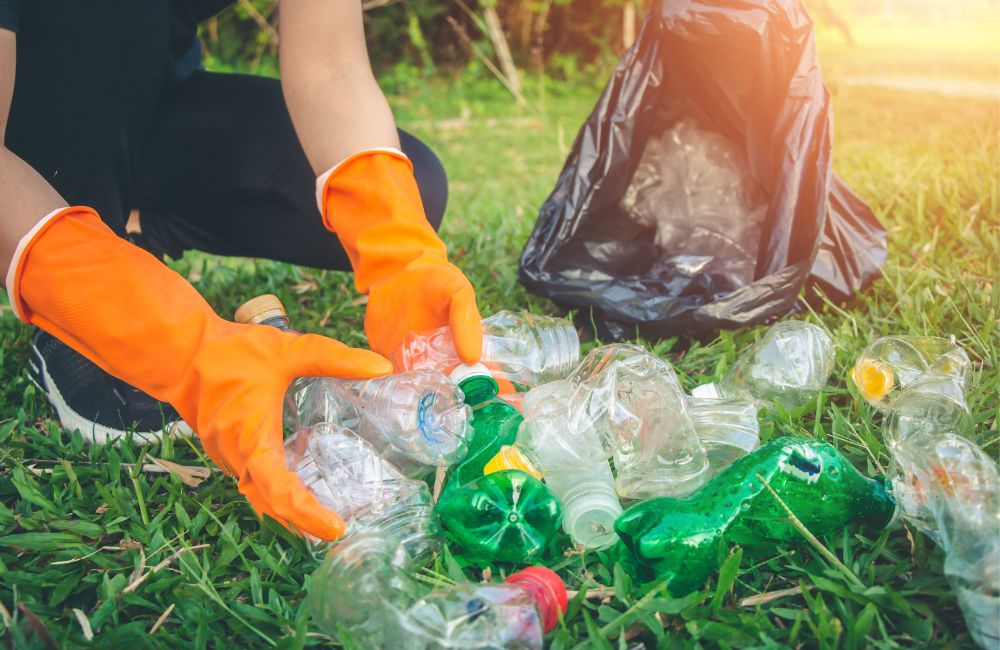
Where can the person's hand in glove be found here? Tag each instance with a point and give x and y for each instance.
(143, 323)
(372, 203)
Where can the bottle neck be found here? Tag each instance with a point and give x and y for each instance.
(278, 322)
(546, 589)
(479, 389)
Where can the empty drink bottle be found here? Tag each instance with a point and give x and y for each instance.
(640, 413)
(348, 476)
(790, 364)
(679, 539)
(727, 429)
(494, 422)
(511, 615)
(416, 420)
(561, 443)
(525, 349)
(950, 489)
(891, 363)
(507, 516)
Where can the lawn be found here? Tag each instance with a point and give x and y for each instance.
(94, 546)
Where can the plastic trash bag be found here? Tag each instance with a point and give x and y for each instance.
(699, 194)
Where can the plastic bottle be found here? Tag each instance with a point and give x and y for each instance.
(365, 592)
(507, 516)
(494, 422)
(790, 364)
(679, 539)
(524, 348)
(623, 403)
(727, 429)
(416, 419)
(564, 447)
(350, 477)
(515, 614)
(639, 411)
(891, 363)
(950, 489)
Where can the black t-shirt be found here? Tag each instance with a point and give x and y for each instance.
(185, 16)
(90, 77)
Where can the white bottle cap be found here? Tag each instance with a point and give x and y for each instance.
(706, 391)
(463, 372)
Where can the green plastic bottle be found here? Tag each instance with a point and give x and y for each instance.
(494, 421)
(680, 539)
(509, 516)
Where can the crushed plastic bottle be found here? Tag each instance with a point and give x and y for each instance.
(622, 403)
(693, 186)
(949, 489)
(494, 422)
(790, 364)
(416, 420)
(507, 516)
(366, 593)
(891, 363)
(522, 348)
(515, 614)
(727, 429)
(351, 478)
(640, 412)
(560, 443)
(678, 539)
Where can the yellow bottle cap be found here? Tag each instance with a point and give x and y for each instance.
(259, 309)
(873, 379)
(510, 457)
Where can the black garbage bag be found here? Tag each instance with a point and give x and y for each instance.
(699, 194)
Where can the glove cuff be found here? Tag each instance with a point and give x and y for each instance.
(13, 277)
(324, 178)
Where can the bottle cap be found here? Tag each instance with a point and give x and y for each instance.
(510, 457)
(706, 391)
(873, 379)
(547, 589)
(589, 515)
(464, 371)
(259, 309)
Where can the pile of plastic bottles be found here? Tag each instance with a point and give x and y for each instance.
(610, 450)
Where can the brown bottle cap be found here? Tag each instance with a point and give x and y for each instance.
(259, 309)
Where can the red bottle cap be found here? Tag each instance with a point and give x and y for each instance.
(547, 589)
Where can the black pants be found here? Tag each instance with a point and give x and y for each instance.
(222, 171)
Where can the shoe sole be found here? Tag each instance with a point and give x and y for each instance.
(99, 433)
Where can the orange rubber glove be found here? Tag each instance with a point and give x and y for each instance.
(143, 323)
(372, 203)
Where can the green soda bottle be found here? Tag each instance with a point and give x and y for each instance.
(680, 539)
(494, 421)
(509, 516)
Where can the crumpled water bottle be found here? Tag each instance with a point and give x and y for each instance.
(727, 429)
(790, 364)
(522, 348)
(366, 592)
(891, 363)
(416, 420)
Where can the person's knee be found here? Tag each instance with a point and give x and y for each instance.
(431, 177)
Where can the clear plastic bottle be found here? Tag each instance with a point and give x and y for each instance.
(891, 363)
(622, 403)
(350, 477)
(949, 488)
(790, 364)
(639, 410)
(416, 420)
(565, 448)
(365, 592)
(515, 614)
(362, 588)
(728, 429)
(523, 348)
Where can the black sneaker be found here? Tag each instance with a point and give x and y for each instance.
(103, 408)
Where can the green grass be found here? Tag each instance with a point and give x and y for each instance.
(80, 523)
